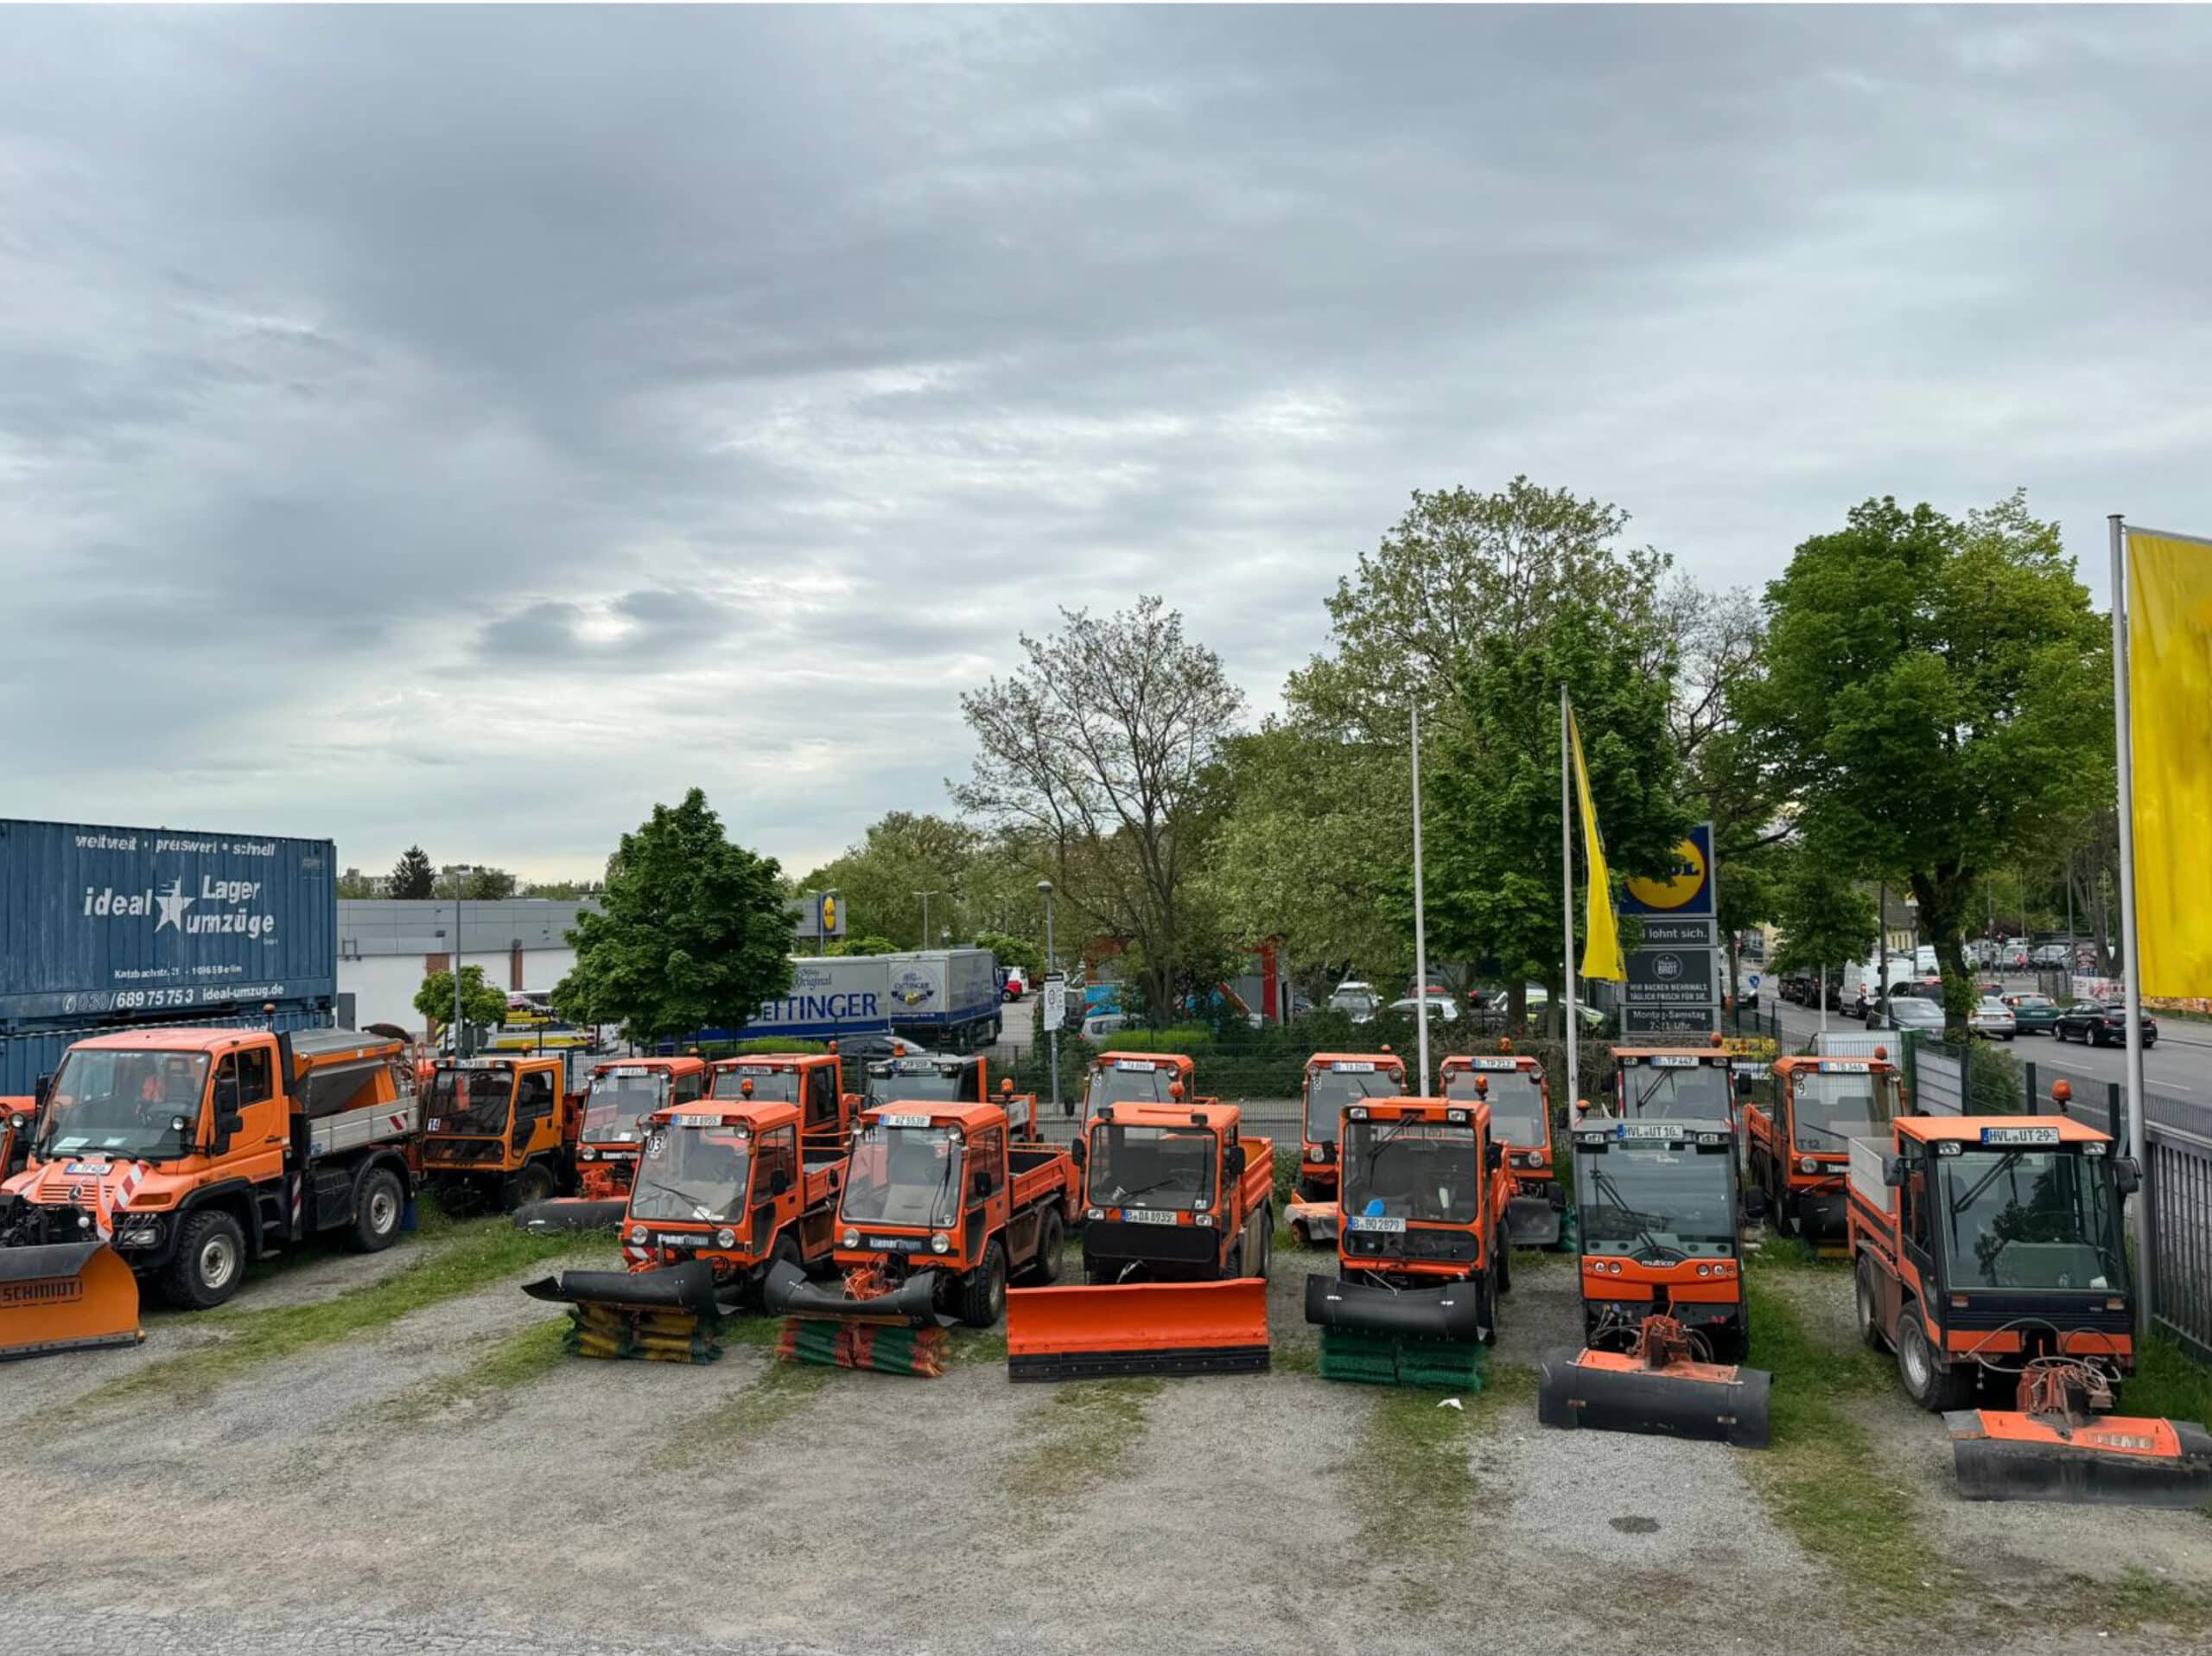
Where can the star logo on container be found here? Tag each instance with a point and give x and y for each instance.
(174, 902)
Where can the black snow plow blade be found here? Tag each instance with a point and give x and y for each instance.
(688, 1287)
(1607, 1391)
(2107, 1462)
(565, 1214)
(788, 1293)
(1452, 1312)
(1532, 1222)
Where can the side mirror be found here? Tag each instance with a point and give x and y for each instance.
(40, 1088)
(2127, 1175)
(1232, 1161)
(1493, 1157)
(1893, 1172)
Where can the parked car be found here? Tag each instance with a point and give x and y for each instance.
(1993, 1018)
(2032, 1013)
(1903, 1011)
(2016, 956)
(1017, 984)
(1355, 1000)
(2051, 954)
(2100, 1023)
(1441, 1009)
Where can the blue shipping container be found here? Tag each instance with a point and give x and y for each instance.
(102, 924)
(24, 1058)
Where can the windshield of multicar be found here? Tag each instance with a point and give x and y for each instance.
(1689, 1092)
(2031, 1218)
(904, 1175)
(618, 1098)
(1327, 1091)
(468, 1100)
(1152, 1167)
(692, 1173)
(1655, 1200)
(1516, 1103)
(1827, 1110)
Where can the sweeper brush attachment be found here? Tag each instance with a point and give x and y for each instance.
(2058, 1446)
(560, 1215)
(1660, 1389)
(863, 1322)
(66, 1296)
(1382, 1336)
(667, 1315)
(1085, 1333)
(883, 1348)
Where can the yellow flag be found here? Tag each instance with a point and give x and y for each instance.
(1601, 939)
(2169, 693)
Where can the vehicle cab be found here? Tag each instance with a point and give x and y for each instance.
(487, 1119)
(1657, 1200)
(18, 1121)
(810, 1082)
(1424, 1190)
(722, 1180)
(1163, 1188)
(1332, 1081)
(1799, 1137)
(929, 1079)
(1519, 1097)
(622, 1094)
(1137, 1078)
(1674, 1083)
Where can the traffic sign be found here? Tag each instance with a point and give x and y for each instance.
(1056, 1000)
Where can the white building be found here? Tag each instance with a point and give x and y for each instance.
(387, 945)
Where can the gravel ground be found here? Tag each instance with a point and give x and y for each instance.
(600, 1508)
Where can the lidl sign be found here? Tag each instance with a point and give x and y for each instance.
(1687, 886)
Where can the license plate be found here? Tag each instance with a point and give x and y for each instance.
(1372, 1222)
(90, 1170)
(1147, 1216)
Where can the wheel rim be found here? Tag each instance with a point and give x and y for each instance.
(218, 1261)
(384, 1210)
(1912, 1351)
(1865, 1303)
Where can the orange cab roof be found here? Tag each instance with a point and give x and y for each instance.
(1718, 1055)
(970, 1116)
(1812, 1060)
(1179, 1059)
(1459, 1060)
(1934, 1129)
(174, 1040)
(774, 1060)
(1165, 1112)
(1401, 1105)
(1390, 1058)
(674, 1065)
(729, 1112)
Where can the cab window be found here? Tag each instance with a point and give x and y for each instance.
(1912, 1200)
(689, 1086)
(778, 1155)
(990, 1156)
(822, 1087)
(534, 1097)
(253, 1075)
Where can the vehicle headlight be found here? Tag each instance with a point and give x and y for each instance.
(725, 1238)
(1705, 1271)
(586, 1153)
(84, 1221)
(1094, 1213)
(638, 1233)
(851, 1240)
(940, 1243)
(1317, 1153)
(1206, 1220)
(1809, 1164)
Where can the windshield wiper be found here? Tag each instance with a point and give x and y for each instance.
(1612, 1192)
(1126, 1196)
(699, 1213)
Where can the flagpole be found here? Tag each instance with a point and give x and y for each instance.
(1421, 919)
(2130, 962)
(1567, 903)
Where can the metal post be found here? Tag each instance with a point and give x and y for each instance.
(926, 896)
(2131, 963)
(1882, 930)
(1052, 965)
(1420, 926)
(456, 971)
(1824, 1002)
(1567, 907)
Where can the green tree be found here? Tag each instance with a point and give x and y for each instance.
(695, 933)
(352, 885)
(862, 946)
(480, 1002)
(1010, 950)
(880, 881)
(1936, 700)
(412, 876)
(1827, 917)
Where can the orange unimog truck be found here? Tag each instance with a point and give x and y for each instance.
(1520, 1118)
(1422, 1256)
(18, 1120)
(186, 1154)
(622, 1093)
(499, 1132)
(1799, 1141)
(727, 1188)
(941, 1207)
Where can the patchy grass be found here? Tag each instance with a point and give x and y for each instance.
(1410, 1483)
(515, 1361)
(1080, 1439)
(459, 1259)
(2168, 1382)
(1821, 1479)
(780, 1391)
(2139, 1599)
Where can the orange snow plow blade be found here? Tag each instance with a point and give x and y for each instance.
(66, 1296)
(1082, 1333)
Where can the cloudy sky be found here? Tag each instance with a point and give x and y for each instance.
(471, 428)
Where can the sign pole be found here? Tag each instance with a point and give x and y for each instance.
(1566, 905)
(1420, 925)
(2131, 963)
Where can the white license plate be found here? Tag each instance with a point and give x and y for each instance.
(1146, 1216)
(91, 1169)
(1366, 1222)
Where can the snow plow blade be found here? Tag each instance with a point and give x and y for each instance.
(66, 1296)
(1088, 1334)
(565, 1214)
(688, 1287)
(788, 1293)
(2003, 1456)
(1610, 1392)
(1532, 1222)
(1451, 1313)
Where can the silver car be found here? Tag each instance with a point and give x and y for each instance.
(1911, 1012)
(1993, 1018)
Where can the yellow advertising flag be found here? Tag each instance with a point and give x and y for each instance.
(2169, 693)
(1601, 934)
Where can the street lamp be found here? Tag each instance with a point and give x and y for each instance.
(926, 896)
(1052, 1025)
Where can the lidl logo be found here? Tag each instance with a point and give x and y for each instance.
(1681, 886)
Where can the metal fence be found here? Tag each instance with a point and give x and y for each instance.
(2177, 1188)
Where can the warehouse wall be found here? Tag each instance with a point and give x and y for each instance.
(384, 985)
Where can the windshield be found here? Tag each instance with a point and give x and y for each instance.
(891, 1083)
(468, 1101)
(1412, 1169)
(1828, 1111)
(1516, 1103)
(1654, 1201)
(618, 1098)
(1696, 1092)
(1912, 1010)
(692, 1175)
(904, 1175)
(122, 1103)
(2031, 1218)
(1159, 1167)
(1327, 1091)
(769, 1085)
(1114, 1084)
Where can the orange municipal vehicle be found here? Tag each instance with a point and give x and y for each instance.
(1332, 1081)
(1178, 1231)
(941, 1207)
(1137, 1077)
(499, 1132)
(18, 1119)
(934, 1077)
(728, 1188)
(1798, 1137)
(1423, 1257)
(1513, 1085)
(813, 1082)
(1663, 1317)
(1674, 1083)
(622, 1093)
(1991, 1246)
(185, 1154)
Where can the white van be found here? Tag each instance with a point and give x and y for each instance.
(1862, 982)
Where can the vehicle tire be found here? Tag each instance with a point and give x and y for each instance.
(1267, 1241)
(1486, 1302)
(1778, 1201)
(1504, 1264)
(785, 1252)
(2007, 1037)
(1868, 1296)
(532, 1183)
(1934, 1388)
(210, 1262)
(380, 1204)
(2150, 1041)
(982, 1294)
(1045, 1271)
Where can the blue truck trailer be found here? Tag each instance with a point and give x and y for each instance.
(103, 928)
